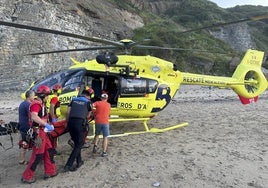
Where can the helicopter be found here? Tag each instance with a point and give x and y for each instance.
(139, 87)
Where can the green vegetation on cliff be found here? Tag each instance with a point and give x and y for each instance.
(165, 30)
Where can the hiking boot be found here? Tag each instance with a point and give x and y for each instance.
(79, 164)
(28, 181)
(95, 149)
(69, 168)
(104, 154)
(86, 145)
(71, 143)
(23, 162)
(46, 176)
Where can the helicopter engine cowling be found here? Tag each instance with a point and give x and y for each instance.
(107, 58)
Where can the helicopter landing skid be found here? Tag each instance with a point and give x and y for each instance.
(144, 120)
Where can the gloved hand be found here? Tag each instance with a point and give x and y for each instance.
(54, 120)
(48, 128)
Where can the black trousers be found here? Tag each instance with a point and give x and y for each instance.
(77, 131)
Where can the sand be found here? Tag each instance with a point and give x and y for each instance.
(224, 145)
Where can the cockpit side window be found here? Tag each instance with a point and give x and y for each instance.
(73, 81)
(69, 79)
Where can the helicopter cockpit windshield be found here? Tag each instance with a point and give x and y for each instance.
(69, 79)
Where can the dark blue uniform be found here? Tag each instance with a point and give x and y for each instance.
(80, 106)
(24, 125)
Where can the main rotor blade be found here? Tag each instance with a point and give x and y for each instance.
(166, 48)
(75, 50)
(255, 18)
(159, 48)
(178, 49)
(57, 32)
(133, 44)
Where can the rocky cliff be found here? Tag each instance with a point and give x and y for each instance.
(237, 36)
(90, 18)
(100, 18)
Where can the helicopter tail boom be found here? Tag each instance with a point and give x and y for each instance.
(248, 81)
(250, 74)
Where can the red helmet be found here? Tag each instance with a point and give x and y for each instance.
(56, 87)
(43, 89)
(90, 90)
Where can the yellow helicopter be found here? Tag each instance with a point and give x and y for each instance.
(139, 87)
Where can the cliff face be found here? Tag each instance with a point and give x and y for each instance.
(98, 18)
(90, 18)
(237, 36)
(157, 7)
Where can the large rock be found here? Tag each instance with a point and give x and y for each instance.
(97, 18)
(237, 36)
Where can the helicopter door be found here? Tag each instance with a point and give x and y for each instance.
(96, 85)
(111, 88)
(103, 83)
